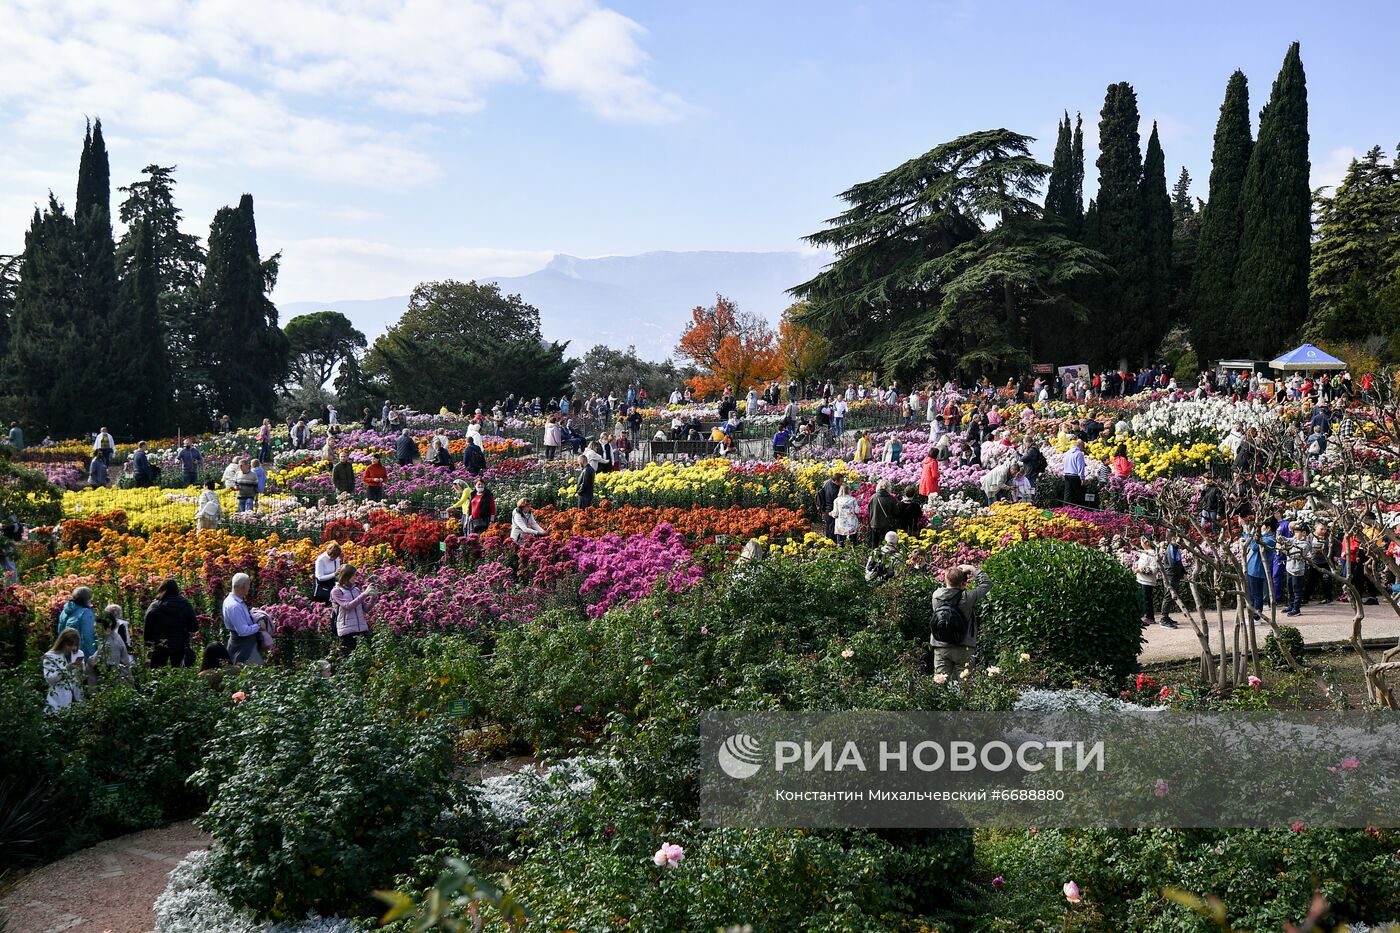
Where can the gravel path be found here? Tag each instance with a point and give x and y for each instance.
(1319, 624)
(109, 887)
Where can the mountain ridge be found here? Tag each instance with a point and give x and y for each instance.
(642, 300)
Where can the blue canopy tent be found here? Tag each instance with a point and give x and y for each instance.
(1306, 358)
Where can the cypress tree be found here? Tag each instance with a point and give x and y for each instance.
(1213, 327)
(1075, 220)
(1157, 241)
(1271, 282)
(1181, 196)
(240, 344)
(1122, 326)
(140, 375)
(1089, 233)
(97, 274)
(1058, 191)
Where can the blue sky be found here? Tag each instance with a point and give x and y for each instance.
(390, 142)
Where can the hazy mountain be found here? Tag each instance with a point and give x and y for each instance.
(643, 300)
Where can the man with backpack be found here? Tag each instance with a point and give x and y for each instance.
(954, 630)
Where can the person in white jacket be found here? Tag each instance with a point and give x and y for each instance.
(1147, 569)
(523, 523)
(64, 665)
(208, 510)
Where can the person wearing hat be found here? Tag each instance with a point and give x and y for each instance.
(523, 523)
(885, 560)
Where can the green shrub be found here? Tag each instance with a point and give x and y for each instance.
(115, 763)
(1064, 604)
(315, 802)
(559, 676)
(1292, 640)
(587, 865)
(1264, 877)
(412, 677)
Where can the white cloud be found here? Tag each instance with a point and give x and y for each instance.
(1331, 170)
(302, 84)
(332, 269)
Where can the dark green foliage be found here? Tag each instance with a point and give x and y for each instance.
(922, 283)
(239, 343)
(315, 801)
(139, 386)
(466, 341)
(43, 375)
(318, 342)
(1125, 323)
(1156, 207)
(1265, 877)
(355, 392)
(1292, 640)
(1065, 604)
(605, 370)
(113, 764)
(96, 297)
(1064, 195)
(1356, 256)
(179, 263)
(1271, 282)
(1186, 235)
(1213, 287)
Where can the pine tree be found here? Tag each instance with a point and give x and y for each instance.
(1213, 330)
(1271, 298)
(1186, 235)
(1182, 206)
(1356, 256)
(1156, 209)
(240, 345)
(48, 369)
(139, 377)
(179, 264)
(1123, 325)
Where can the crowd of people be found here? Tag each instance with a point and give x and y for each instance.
(1287, 562)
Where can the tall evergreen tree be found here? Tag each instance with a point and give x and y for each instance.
(240, 345)
(1182, 205)
(1213, 328)
(138, 378)
(97, 271)
(1186, 235)
(1356, 256)
(1156, 207)
(1271, 298)
(179, 264)
(45, 372)
(1059, 190)
(1124, 325)
(1076, 161)
(922, 284)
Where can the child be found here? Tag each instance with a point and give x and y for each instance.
(1297, 559)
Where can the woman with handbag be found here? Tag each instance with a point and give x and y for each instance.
(328, 564)
(350, 603)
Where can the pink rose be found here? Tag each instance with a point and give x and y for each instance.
(239, 697)
(668, 856)
(1071, 892)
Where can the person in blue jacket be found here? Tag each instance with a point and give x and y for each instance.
(190, 458)
(77, 614)
(1259, 558)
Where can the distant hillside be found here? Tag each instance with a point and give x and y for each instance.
(643, 300)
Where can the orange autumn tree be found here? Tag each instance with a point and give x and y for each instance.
(733, 349)
(802, 352)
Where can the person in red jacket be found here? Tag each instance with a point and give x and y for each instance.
(374, 478)
(928, 479)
